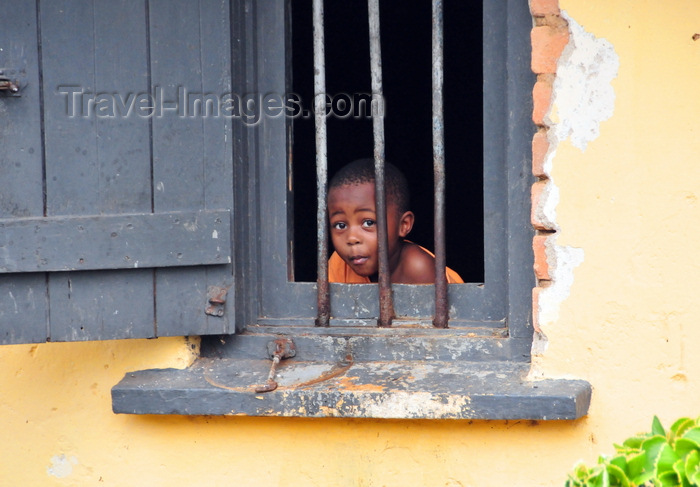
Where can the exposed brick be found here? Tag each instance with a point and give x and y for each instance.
(536, 197)
(540, 8)
(541, 265)
(553, 21)
(540, 146)
(547, 45)
(541, 98)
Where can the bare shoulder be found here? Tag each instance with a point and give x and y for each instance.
(417, 266)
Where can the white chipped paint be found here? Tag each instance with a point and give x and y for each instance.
(61, 466)
(582, 95)
(214, 234)
(582, 98)
(562, 261)
(417, 405)
(546, 212)
(160, 186)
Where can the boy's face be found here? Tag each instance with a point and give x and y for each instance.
(353, 219)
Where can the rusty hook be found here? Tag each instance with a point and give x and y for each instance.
(278, 349)
(270, 385)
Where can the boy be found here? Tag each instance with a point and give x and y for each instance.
(352, 215)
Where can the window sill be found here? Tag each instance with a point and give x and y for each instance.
(420, 389)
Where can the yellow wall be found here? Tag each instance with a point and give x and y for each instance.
(629, 202)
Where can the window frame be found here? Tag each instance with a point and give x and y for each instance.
(502, 300)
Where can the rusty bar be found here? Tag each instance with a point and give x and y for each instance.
(324, 296)
(386, 302)
(441, 300)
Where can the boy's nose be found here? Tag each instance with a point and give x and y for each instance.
(353, 238)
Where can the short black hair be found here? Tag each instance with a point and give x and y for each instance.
(361, 171)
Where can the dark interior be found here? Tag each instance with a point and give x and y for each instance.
(406, 58)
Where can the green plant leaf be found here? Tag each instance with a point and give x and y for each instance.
(681, 426)
(692, 467)
(586, 477)
(643, 478)
(618, 476)
(692, 462)
(593, 477)
(667, 457)
(572, 482)
(695, 479)
(679, 468)
(581, 473)
(603, 480)
(683, 446)
(669, 479)
(693, 434)
(656, 428)
(645, 466)
(656, 459)
(652, 446)
(635, 464)
(634, 442)
(619, 461)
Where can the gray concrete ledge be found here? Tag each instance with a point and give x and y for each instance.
(370, 389)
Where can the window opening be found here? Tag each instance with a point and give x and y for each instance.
(406, 62)
(386, 307)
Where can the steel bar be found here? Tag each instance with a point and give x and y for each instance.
(440, 320)
(386, 304)
(323, 287)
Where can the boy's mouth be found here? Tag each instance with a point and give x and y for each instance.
(358, 260)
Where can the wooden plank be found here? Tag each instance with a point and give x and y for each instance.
(23, 303)
(218, 146)
(192, 156)
(148, 240)
(96, 164)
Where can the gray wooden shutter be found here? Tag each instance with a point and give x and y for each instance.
(114, 226)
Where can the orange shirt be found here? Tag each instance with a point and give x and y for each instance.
(339, 271)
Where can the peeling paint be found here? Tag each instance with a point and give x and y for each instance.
(61, 466)
(582, 98)
(417, 404)
(539, 343)
(582, 95)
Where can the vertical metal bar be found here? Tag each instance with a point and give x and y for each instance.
(323, 298)
(386, 303)
(441, 301)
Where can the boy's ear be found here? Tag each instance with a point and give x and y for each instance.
(406, 223)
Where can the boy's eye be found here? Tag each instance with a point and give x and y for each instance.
(368, 223)
(339, 226)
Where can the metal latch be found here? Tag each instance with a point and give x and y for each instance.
(277, 350)
(216, 299)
